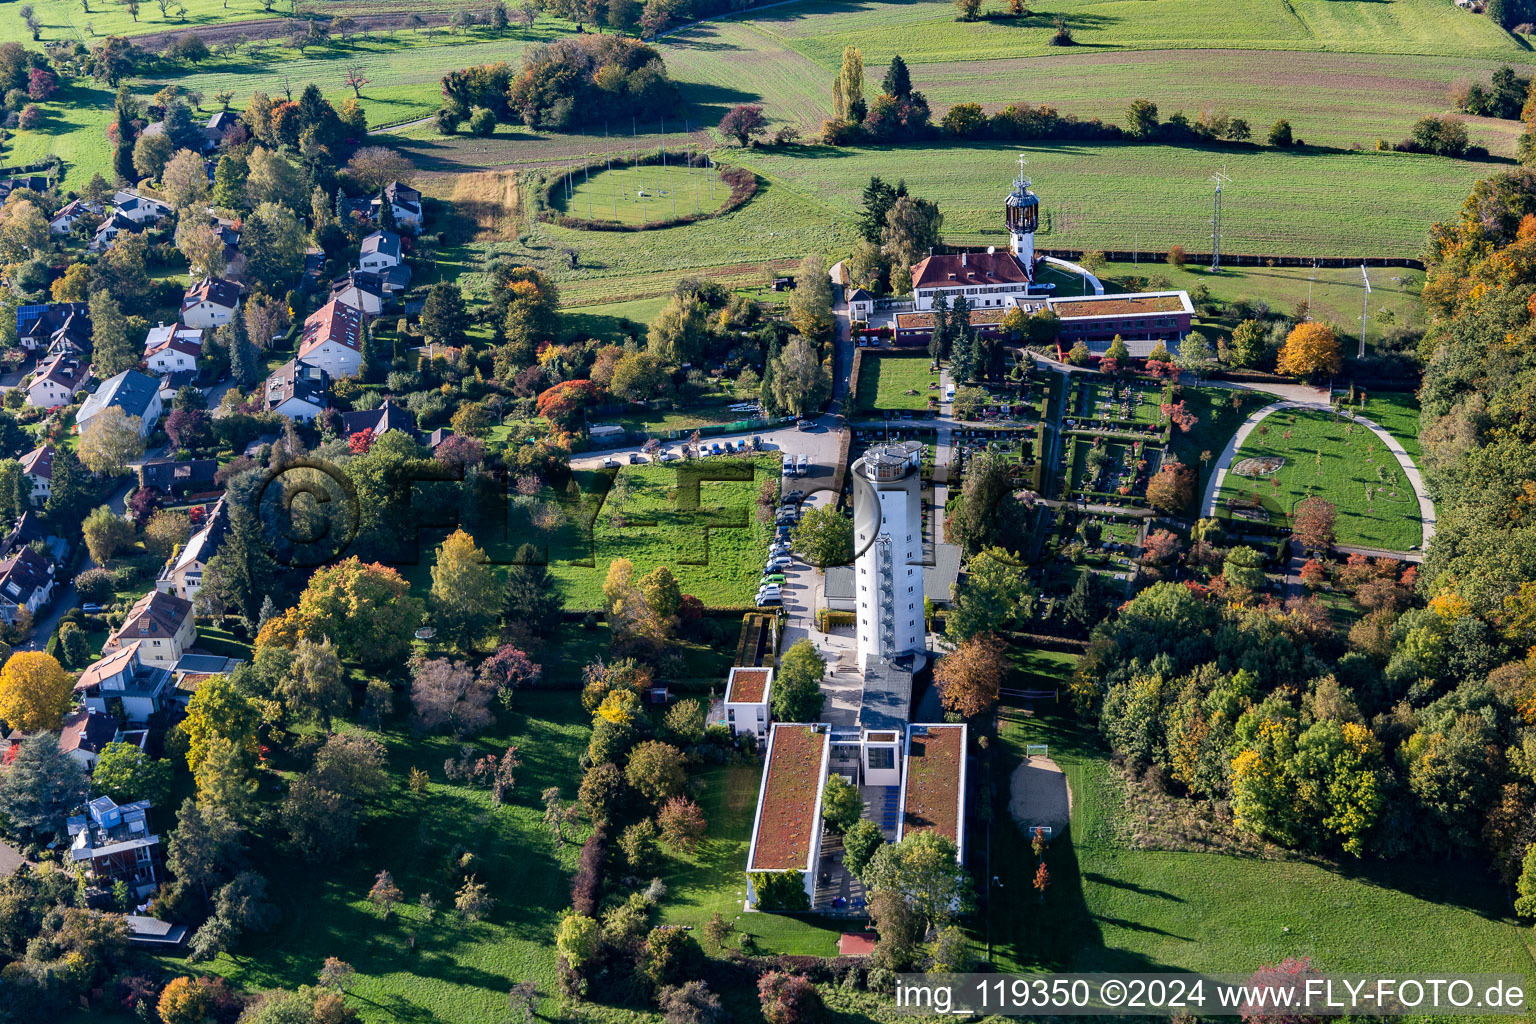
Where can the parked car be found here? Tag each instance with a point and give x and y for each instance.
(805, 425)
(757, 442)
(610, 463)
(770, 602)
(91, 608)
(793, 496)
(775, 578)
(636, 458)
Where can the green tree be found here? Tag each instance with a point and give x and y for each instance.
(656, 770)
(810, 304)
(316, 685)
(125, 111)
(112, 350)
(1243, 569)
(680, 331)
(69, 498)
(801, 383)
(444, 320)
(860, 842)
(898, 80)
(125, 773)
(106, 533)
(1248, 344)
(995, 594)
(41, 786)
(1141, 119)
(796, 692)
(824, 536)
(463, 591)
(841, 804)
(923, 870)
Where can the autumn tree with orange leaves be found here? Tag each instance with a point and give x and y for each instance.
(969, 677)
(1310, 350)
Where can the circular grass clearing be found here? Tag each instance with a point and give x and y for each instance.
(649, 194)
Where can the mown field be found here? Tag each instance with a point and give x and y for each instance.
(643, 195)
(716, 551)
(1333, 98)
(884, 382)
(924, 31)
(1342, 462)
(69, 19)
(1120, 195)
(1113, 908)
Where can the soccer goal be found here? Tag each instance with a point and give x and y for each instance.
(1037, 750)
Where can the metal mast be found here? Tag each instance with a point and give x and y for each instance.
(1216, 179)
(1365, 302)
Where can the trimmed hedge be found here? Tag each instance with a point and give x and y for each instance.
(743, 185)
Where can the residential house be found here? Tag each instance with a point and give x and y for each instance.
(388, 416)
(218, 128)
(437, 437)
(162, 627)
(84, 733)
(140, 209)
(135, 393)
(361, 288)
(332, 339)
(26, 583)
(54, 325)
(172, 382)
(172, 348)
(30, 529)
(111, 226)
(298, 390)
(381, 250)
(112, 843)
(71, 213)
(180, 477)
(59, 377)
(193, 670)
(404, 201)
(182, 575)
(37, 466)
(211, 302)
(122, 683)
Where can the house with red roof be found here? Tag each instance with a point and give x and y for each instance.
(333, 339)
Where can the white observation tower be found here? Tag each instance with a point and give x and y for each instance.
(888, 536)
(1022, 215)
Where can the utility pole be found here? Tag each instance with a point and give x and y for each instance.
(1216, 179)
(1365, 303)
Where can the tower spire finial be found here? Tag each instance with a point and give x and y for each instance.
(1023, 181)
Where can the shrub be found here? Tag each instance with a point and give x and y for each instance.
(779, 890)
(482, 122)
(586, 884)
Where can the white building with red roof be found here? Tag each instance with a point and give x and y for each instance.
(333, 339)
(58, 379)
(37, 467)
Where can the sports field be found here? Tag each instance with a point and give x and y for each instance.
(641, 195)
(1292, 455)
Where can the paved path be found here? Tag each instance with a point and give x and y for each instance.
(1426, 506)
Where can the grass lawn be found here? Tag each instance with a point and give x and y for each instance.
(459, 971)
(613, 321)
(1321, 458)
(645, 194)
(884, 382)
(712, 880)
(74, 130)
(1218, 421)
(1335, 292)
(1396, 412)
(1111, 908)
(716, 551)
(1117, 195)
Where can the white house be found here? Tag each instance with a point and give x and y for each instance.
(173, 350)
(361, 288)
(183, 574)
(137, 394)
(111, 226)
(333, 339)
(37, 466)
(210, 303)
(160, 625)
(122, 679)
(26, 582)
(746, 701)
(381, 250)
(70, 213)
(404, 201)
(57, 380)
(298, 390)
(140, 209)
